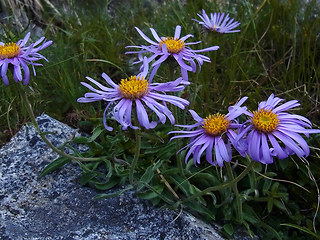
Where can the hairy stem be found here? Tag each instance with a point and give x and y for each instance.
(220, 187)
(136, 153)
(176, 117)
(35, 124)
(236, 192)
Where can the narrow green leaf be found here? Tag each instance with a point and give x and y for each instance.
(114, 194)
(250, 215)
(96, 133)
(154, 192)
(47, 133)
(200, 209)
(279, 205)
(228, 228)
(303, 229)
(105, 61)
(146, 178)
(157, 165)
(107, 185)
(109, 167)
(81, 140)
(86, 177)
(151, 136)
(270, 204)
(56, 164)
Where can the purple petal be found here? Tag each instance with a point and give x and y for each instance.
(17, 75)
(254, 145)
(222, 149)
(209, 151)
(299, 140)
(289, 143)
(213, 48)
(25, 39)
(186, 37)
(155, 35)
(267, 158)
(143, 116)
(203, 148)
(26, 72)
(161, 116)
(145, 37)
(278, 151)
(108, 79)
(195, 116)
(286, 106)
(177, 32)
(104, 118)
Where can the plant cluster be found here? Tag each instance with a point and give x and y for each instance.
(244, 150)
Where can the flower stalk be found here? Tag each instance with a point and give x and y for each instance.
(136, 153)
(220, 187)
(236, 192)
(43, 137)
(175, 114)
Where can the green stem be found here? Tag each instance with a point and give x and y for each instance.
(35, 124)
(175, 114)
(136, 153)
(236, 192)
(220, 187)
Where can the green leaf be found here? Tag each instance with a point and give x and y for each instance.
(151, 136)
(303, 229)
(157, 165)
(270, 204)
(250, 215)
(81, 140)
(107, 185)
(47, 133)
(228, 228)
(56, 164)
(86, 177)
(193, 190)
(110, 195)
(279, 205)
(105, 61)
(183, 185)
(109, 167)
(96, 133)
(200, 209)
(209, 177)
(154, 192)
(284, 163)
(146, 178)
(266, 186)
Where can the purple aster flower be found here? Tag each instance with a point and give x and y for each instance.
(136, 90)
(214, 133)
(218, 22)
(174, 46)
(20, 56)
(272, 132)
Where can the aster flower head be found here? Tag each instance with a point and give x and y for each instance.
(218, 22)
(174, 46)
(273, 132)
(139, 92)
(216, 132)
(19, 56)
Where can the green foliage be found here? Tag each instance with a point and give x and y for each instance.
(276, 51)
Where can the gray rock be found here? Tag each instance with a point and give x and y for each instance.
(58, 207)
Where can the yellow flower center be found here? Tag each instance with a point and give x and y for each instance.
(134, 87)
(9, 50)
(216, 124)
(174, 45)
(265, 120)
